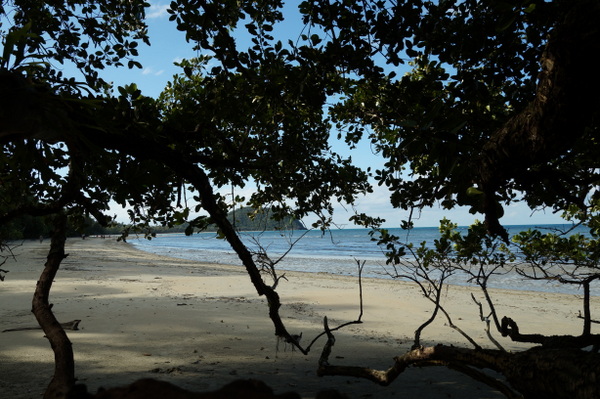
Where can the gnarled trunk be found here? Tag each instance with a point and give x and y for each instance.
(64, 364)
(564, 107)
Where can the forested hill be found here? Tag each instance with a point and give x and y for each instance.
(261, 221)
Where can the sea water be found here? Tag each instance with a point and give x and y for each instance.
(336, 252)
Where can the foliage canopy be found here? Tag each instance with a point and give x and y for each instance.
(491, 112)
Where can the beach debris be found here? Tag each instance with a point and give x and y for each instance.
(170, 370)
(70, 325)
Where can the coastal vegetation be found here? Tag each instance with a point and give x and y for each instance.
(32, 228)
(244, 219)
(491, 112)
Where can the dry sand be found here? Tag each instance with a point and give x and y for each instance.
(201, 325)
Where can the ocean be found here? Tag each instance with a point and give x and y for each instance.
(334, 252)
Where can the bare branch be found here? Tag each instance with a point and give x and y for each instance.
(432, 290)
(4, 258)
(324, 359)
(266, 264)
(458, 329)
(486, 319)
(360, 267)
(328, 331)
(436, 290)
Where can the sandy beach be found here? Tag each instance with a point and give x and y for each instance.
(201, 326)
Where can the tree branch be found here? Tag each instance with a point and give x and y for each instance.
(487, 323)
(509, 328)
(328, 331)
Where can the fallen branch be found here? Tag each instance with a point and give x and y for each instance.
(534, 373)
(439, 355)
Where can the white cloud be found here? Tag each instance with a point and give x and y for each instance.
(152, 71)
(157, 11)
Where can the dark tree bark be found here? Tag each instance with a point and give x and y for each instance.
(201, 182)
(64, 364)
(565, 104)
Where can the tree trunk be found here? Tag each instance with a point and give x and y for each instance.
(64, 364)
(564, 107)
(197, 177)
(201, 182)
(557, 373)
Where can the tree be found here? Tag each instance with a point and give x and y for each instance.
(471, 124)
(554, 366)
(569, 260)
(71, 147)
(483, 116)
(40, 120)
(492, 112)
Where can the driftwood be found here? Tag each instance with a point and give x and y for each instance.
(72, 325)
(535, 373)
(152, 389)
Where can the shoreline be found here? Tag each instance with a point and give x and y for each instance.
(346, 266)
(201, 326)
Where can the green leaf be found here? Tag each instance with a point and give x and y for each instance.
(473, 191)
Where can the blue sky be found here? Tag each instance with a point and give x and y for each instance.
(168, 46)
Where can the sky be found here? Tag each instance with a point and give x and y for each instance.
(169, 46)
